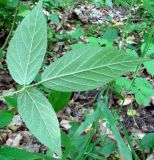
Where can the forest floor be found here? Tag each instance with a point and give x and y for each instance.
(90, 21)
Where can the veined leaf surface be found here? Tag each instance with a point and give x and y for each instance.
(87, 68)
(40, 118)
(27, 47)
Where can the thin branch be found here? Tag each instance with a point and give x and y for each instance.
(12, 27)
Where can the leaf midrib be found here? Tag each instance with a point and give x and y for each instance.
(30, 50)
(34, 102)
(86, 70)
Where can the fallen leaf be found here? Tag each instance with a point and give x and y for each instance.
(128, 100)
(65, 124)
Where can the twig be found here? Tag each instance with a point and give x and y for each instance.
(12, 27)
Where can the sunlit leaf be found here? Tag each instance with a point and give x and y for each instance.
(87, 68)
(40, 118)
(28, 46)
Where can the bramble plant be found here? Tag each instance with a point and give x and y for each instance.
(80, 69)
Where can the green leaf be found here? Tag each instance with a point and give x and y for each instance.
(109, 3)
(120, 85)
(93, 41)
(77, 45)
(149, 5)
(148, 140)
(28, 46)
(8, 153)
(110, 34)
(40, 118)
(54, 18)
(77, 33)
(105, 113)
(65, 139)
(3, 2)
(105, 42)
(149, 65)
(87, 68)
(59, 99)
(1, 65)
(152, 55)
(23, 9)
(130, 51)
(76, 131)
(10, 4)
(107, 148)
(1, 54)
(5, 118)
(124, 83)
(11, 100)
(142, 90)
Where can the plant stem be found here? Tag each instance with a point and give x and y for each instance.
(139, 66)
(12, 27)
(21, 90)
(12, 93)
(129, 16)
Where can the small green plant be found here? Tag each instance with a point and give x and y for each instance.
(140, 87)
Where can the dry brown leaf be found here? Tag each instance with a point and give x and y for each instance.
(65, 124)
(128, 100)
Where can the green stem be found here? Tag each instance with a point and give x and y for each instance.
(12, 93)
(21, 90)
(139, 66)
(129, 16)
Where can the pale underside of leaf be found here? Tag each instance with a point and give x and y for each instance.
(40, 118)
(27, 47)
(87, 68)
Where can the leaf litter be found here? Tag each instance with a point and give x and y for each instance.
(17, 135)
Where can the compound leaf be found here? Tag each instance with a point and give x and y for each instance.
(27, 47)
(87, 68)
(40, 118)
